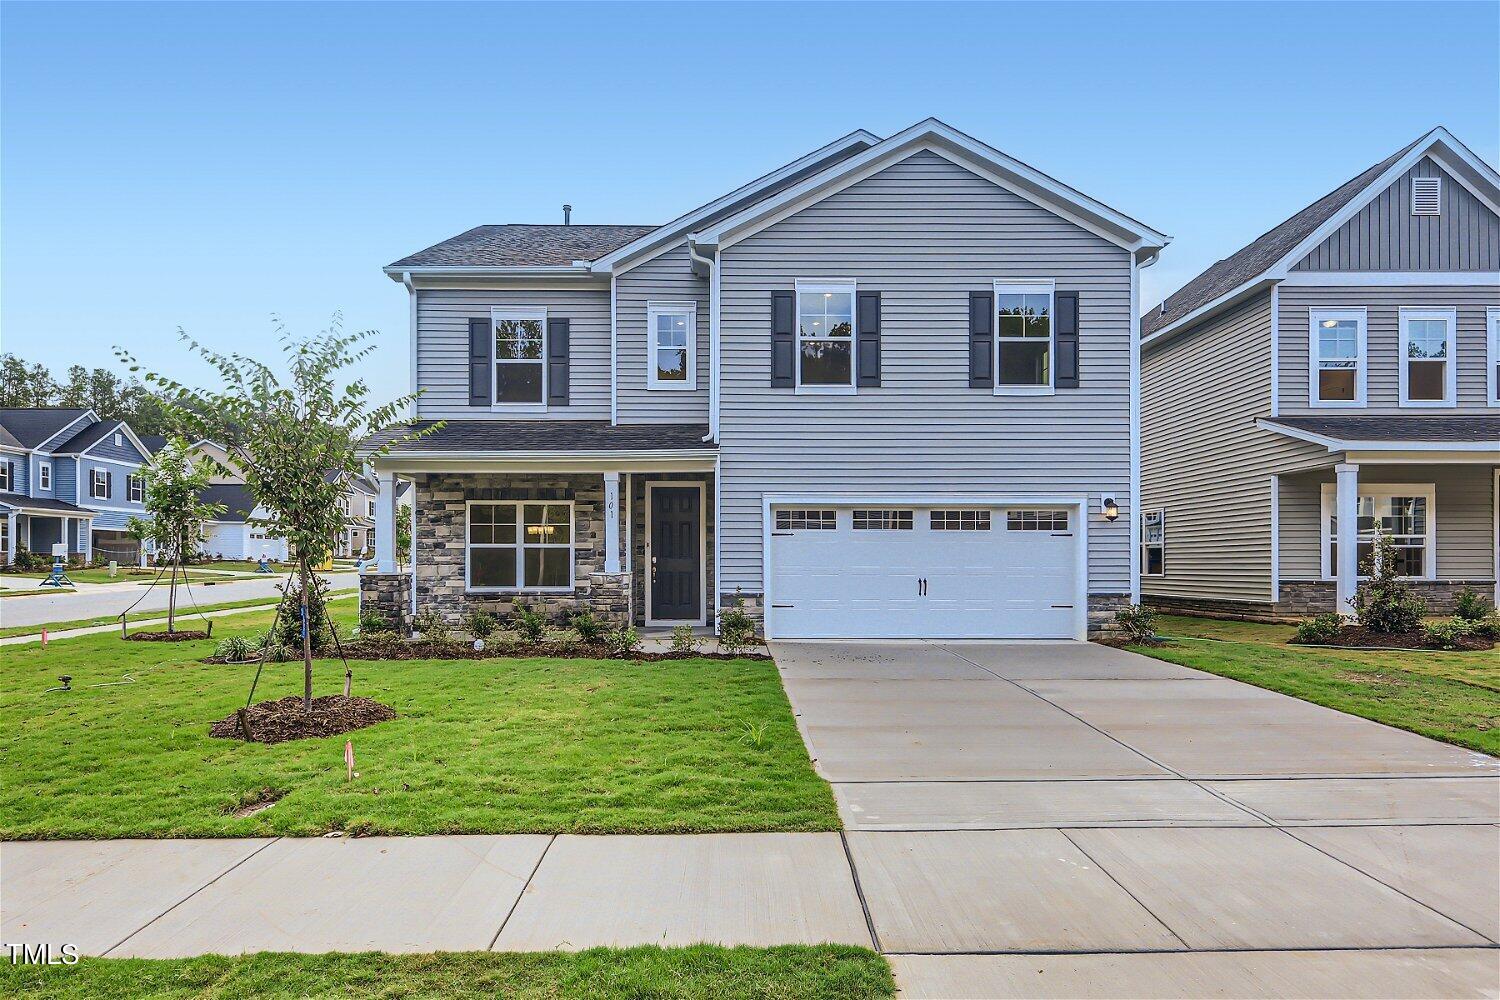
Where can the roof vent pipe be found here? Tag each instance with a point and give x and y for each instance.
(567, 215)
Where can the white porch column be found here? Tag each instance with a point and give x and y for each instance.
(12, 538)
(1346, 509)
(611, 522)
(86, 540)
(385, 523)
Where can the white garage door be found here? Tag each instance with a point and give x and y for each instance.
(883, 572)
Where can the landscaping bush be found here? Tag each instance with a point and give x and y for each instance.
(28, 561)
(530, 625)
(432, 626)
(590, 629)
(1449, 634)
(1136, 623)
(1488, 627)
(1472, 606)
(374, 622)
(1385, 603)
(683, 640)
(623, 641)
(1320, 631)
(235, 649)
(481, 624)
(289, 623)
(736, 627)
(275, 652)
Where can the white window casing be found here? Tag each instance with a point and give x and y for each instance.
(135, 488)
(1154, 542)
(671, 338)
(98, 484)
(512, 546)
(5, 482)
(1338, 353)
(1427, 357)
(825, 334)
(1383, 504)
(44, 476)
(524, 329)
(1023, 309)
(1492, 361)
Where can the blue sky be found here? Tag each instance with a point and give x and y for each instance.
(207, 166)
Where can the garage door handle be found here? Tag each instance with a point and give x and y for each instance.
(922, 587)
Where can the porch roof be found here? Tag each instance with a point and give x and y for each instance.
(1356, 433)
(515, 442)
(43, 506)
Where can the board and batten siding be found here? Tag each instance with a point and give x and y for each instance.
(1463, 502)
(1386, 236)
(1383, 304)
(924, 233)
(667, 278)
(443, 316)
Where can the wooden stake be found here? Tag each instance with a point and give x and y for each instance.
(349, 759)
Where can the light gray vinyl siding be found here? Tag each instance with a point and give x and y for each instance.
(443, 316)
(1385, 236)
(1205, 464)
(924, 233)
(1382, 306)
(1463, 503)
(668, 278)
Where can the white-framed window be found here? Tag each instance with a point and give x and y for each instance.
(520, 358)
(1405, 511)
(98, 484)
(672, 345)
(959, 520)
(1153, 542)
(883, 520)
(6, 483)
(795, 519)
(1337, 347)
(1428, 357)
(369, 506)
(519, 545)
(1492, 368)
(4, 534)
(136, 487)
(1036, 520)
(825, 336)
(1024, 335)
(44, 476)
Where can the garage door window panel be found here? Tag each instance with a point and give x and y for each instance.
(883, 520)
(1036, 520)
(960, 520)
(806, 520)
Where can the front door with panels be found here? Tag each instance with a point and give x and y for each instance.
(674, 557)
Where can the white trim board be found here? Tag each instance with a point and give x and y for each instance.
(1339, 279)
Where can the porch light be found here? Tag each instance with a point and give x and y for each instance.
(1111, 509)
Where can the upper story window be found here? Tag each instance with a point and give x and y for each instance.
(369, 507)
(1023, 338)
(1427, 357)
(1492, 318)
(44, 476)
(136, 485)
(7, 475)
(520, 357)
(672, 329)
(1337, 349)
(99, 484)
(825, 336)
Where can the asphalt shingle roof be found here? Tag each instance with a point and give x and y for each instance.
(1255, 258)
(1466, 429)
(89, 436)
(44, 503)
(517, 245)
(33, 425)
(502, 436)
(154, 442)
(237, 500)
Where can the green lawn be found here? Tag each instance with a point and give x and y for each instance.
(1454, 697)
(480, 746)
(822, 972)
(136, 616)
(128, 574)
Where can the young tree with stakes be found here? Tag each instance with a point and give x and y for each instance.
(284, 438)
(173, 498)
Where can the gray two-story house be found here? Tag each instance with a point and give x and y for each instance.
(1337, 377)
(886, 390)
(67, 476)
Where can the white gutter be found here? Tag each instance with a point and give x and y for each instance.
(712, 263)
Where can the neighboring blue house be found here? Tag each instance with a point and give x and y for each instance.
(67, 476)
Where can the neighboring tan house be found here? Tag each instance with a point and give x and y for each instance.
(888, 389)
(68, 476)
(1337, 376)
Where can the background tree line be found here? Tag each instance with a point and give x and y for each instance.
(113, 398)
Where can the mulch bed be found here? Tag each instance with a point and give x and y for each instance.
(178, 636)
(400, 649)
(1359, 637)
(283, 720)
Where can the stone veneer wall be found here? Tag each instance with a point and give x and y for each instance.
(1305, 598)
(441, 511)
(1102, 608)
(639, 565)
(387, 593)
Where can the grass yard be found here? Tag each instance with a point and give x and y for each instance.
(136, 616)
(480, 746)
(126, 574)
(822, 972)
(1454, 697)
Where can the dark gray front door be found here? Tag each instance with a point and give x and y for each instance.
(676, 550)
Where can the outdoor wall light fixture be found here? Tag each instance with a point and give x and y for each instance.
(1111, 509)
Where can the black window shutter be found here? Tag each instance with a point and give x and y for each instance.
(479, 362)
(981, 340)
(783, 339)
(557, 361)
(869, 338)
(1067, 340)
(109, 484)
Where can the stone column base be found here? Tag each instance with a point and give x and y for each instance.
(389, 594)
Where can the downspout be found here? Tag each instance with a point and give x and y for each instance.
(710, 264)
(411, 295)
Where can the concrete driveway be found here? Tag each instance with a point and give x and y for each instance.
(1061, 819)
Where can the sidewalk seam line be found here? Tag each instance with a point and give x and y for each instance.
(189, 896)
(524, 886)
(859, 891)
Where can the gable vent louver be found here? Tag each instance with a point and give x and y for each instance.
(1426, 195)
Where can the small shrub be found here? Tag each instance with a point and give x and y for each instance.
(683, 640)
(1472, 606)
(1488, 627)
(1320, 631)
(1136, 622)
(374, 622)
(1449, 634)
(28, 561)
(235, 649)
(590, 629)
(1385, 603)
(289, 623)
(275, 652)
(530, 625)
(736, 627)
(432, 626)
(623, 641)
(481, 624)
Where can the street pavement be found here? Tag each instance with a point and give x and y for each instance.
(106, 601)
